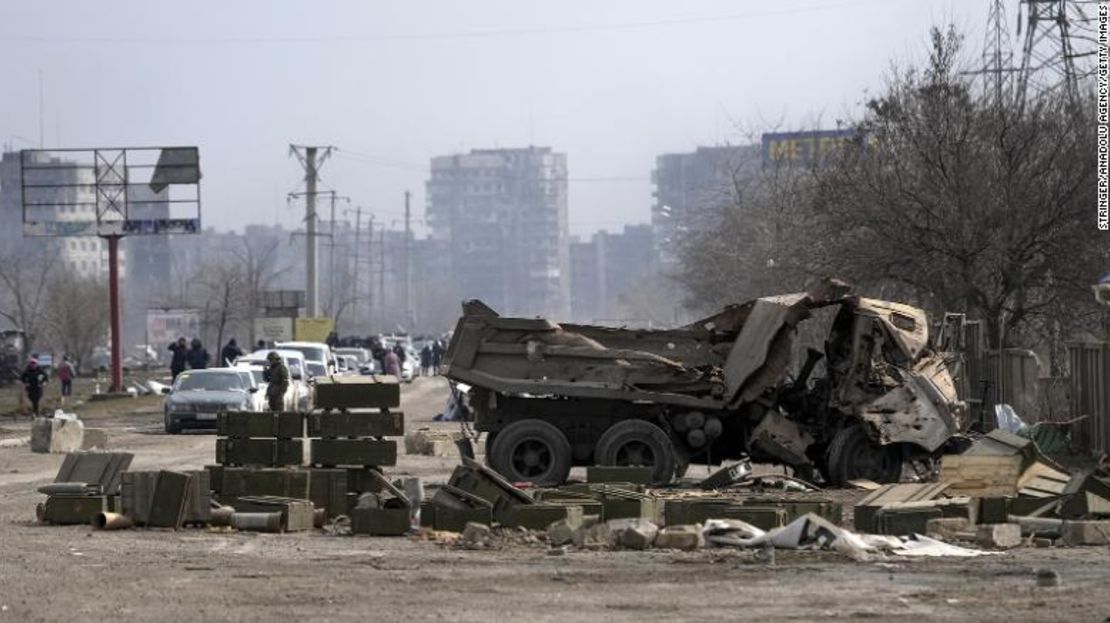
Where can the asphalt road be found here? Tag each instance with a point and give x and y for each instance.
(73, 573)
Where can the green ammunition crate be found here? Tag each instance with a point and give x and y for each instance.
(327, 488)
(357, 392)
(73, 509)
(365, 452)
(828, 509)
(693, 511)
(616, 474)
(452, 509)
(904, 521)
(215, 477)
(993, 510)
(296, 515)
(337, 424)
(363, 480)
(272, 481)
(540, 516)
(198, 499)
(380, 521)
(265, 452)
(251, 425)
(590, 506)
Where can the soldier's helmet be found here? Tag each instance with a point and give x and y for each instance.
(273, 357)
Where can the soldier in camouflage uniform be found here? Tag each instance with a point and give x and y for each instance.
(277, 377)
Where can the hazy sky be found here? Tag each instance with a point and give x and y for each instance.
(612, 83)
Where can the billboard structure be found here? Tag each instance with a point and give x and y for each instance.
(166, 325)
(111, 193)
(805, 148)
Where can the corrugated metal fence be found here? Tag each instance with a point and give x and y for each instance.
(1090, 394)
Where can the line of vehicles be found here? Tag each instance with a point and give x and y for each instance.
(196, 396)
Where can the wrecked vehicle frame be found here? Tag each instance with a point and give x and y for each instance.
(551, 396)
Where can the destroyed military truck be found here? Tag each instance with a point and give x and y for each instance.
(551, 396)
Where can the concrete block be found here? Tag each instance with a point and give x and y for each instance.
(634, 533)
(998, 535)
(475, 535)
(338, 424)
(94, 438)
(364, 452)
(680, 537)
(56, 435)
(596, 536)
(1079, 532)
(428, 442)
(946, 528)
(561, 532)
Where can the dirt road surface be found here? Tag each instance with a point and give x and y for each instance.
(73, 573)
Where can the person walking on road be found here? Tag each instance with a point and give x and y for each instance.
(392, 364)
(197, 356)
(66, 373)
(437, 355)
(426, 360)
(33, 378)
(230, 353)
(180, 357)
(276, 376)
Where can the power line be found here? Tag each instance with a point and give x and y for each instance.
(478, 34)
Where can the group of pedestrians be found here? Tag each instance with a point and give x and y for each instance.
(191, 355)
(431, 357)
(35, 377)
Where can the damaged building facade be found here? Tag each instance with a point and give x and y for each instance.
(503, 213)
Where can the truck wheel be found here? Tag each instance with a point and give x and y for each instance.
(852, 455)
(531, 451)
(638, 443)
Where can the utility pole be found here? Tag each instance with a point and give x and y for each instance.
(311, 175)
(354, 285)
(371, 295)
(381, 275)
(410, 313)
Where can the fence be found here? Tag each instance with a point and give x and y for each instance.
(1090, 393)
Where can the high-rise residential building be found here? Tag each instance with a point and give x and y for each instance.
(503, 213)
(689, 185)
(68, 194)
(604, 268)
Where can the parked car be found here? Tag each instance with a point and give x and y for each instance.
(317, 355)
(198, 395)
(349, 363)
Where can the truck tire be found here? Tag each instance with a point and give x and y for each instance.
(853, 454)
(636, 442)
(531, 451)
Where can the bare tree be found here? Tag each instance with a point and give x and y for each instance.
(970, 204)
(947, 199)
(77, 313)
(25, 274)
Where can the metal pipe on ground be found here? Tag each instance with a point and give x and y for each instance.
(70, 488)
(257, 522)
(220, 516)
(111, 521)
